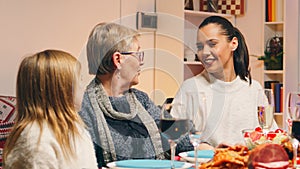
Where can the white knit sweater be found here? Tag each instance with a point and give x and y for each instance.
(231, 107)
(27, 154)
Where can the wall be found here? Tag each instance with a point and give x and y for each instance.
(33, 25)
(169, 49)
(147, 40)
(292, 45)
(253, 15)
(298, 69)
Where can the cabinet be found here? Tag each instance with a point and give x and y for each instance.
(275, 27)
(192, 20)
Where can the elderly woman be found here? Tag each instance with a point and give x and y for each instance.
(123, 121)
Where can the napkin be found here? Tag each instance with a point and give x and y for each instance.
(148, 164)
(202, 153)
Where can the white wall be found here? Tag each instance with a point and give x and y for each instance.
(33, 25)
(147, 40)
(298, 48)
(251, 26)
(292, 45)
(169, 49)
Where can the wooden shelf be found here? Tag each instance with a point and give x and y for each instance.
(273, 71)
(192, 63)
(278, 117)
(274, 23)
(204, 14)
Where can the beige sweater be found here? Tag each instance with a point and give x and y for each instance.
(27, 154)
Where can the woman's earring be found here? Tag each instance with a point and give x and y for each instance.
(118, 75)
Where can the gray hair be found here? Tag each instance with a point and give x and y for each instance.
(104, 40)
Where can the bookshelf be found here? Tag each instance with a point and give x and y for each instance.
(274, 25)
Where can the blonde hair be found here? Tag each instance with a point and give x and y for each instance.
(104, 40)
(45, 94)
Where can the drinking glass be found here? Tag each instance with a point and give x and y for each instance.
(293, 107)
(196, 113)
(173, 128)
(265, 109)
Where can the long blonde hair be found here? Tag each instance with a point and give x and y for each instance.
(45, 94)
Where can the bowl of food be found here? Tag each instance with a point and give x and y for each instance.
(255, 137)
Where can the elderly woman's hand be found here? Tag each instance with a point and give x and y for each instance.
(205, 146)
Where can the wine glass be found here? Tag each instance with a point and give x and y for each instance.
(265, 109)
(293, 107)
(196, 113)
(173, 128)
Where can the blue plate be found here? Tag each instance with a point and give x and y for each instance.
(144, 163)
(201, 154)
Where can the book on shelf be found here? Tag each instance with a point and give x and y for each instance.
(269, 10)
(279, 10)
(269, 83)
(274, 10)
(266, 10)
(278, 97)
(277, 88)
(281, 100)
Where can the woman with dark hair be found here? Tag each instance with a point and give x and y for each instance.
(236, 57)
(226, 81)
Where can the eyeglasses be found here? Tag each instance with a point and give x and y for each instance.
(138, 55)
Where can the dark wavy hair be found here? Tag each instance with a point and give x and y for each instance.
(240, 55)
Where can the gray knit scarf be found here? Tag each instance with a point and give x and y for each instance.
(101, 103)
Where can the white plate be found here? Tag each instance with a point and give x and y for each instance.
(145, 164)
(184, 156)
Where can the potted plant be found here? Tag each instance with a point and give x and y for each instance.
(272, 61)
(273, 57)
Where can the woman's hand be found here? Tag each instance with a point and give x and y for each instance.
(205, 146)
